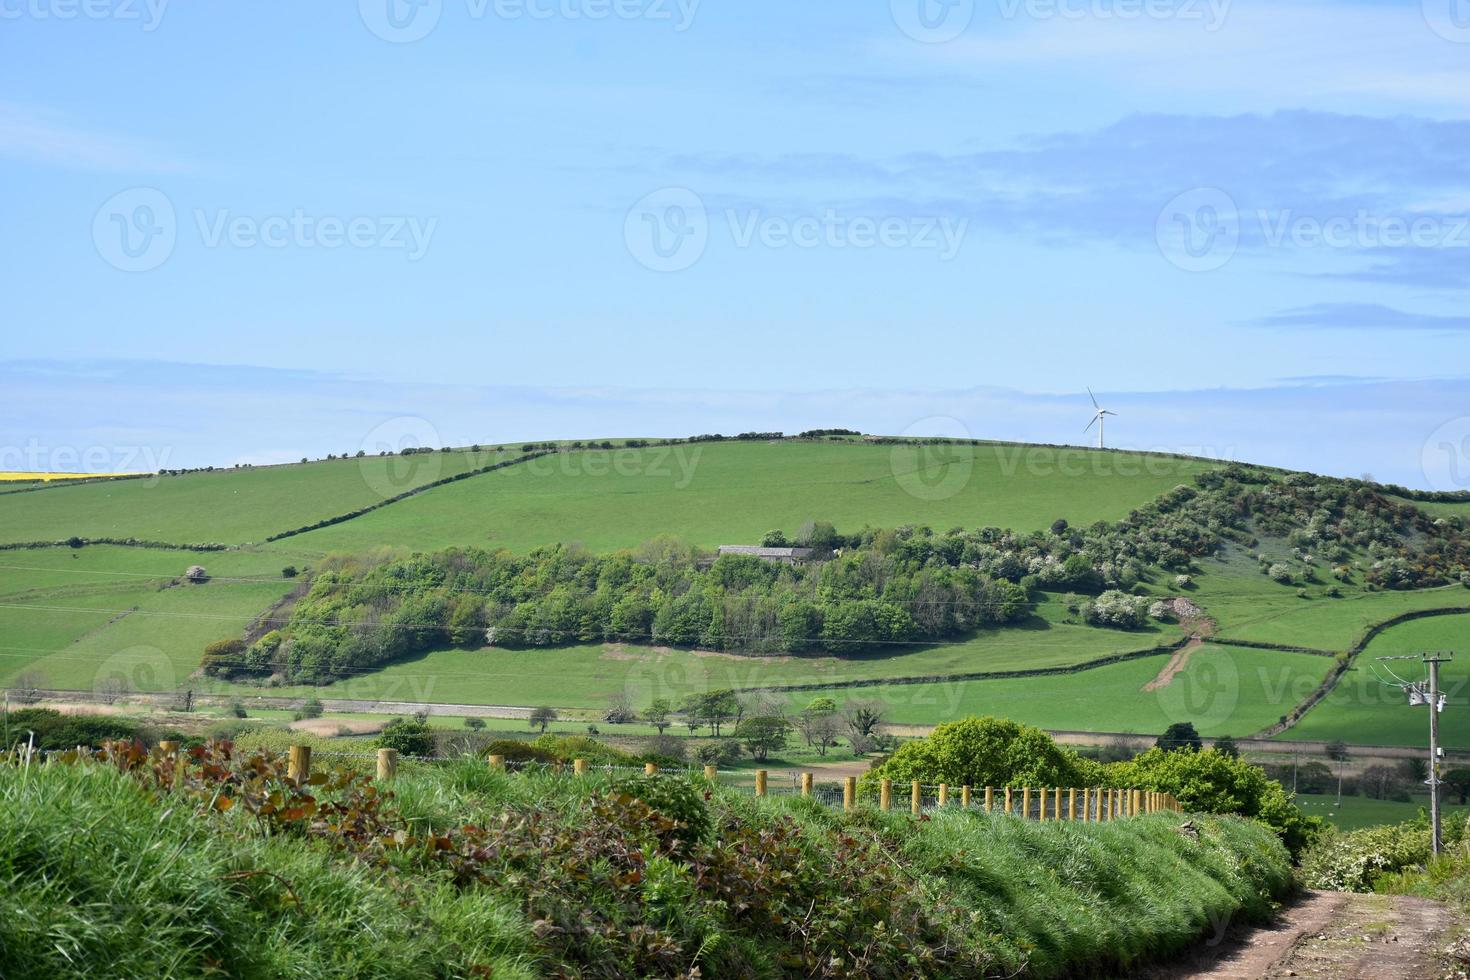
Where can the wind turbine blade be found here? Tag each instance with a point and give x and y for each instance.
(1091, 424)
(1094, 398)
(1106, 412)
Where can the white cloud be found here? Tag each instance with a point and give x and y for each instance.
(43, 137)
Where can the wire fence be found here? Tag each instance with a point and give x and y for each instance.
(1088, 804)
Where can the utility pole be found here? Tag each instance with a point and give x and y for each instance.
(1433, 663)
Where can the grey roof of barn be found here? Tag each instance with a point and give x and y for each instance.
(760, 552)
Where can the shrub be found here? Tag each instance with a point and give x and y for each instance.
(675, 798)
(1117, 609)
(223, 658)
(763, 735)
(55, 730)
(408, 736)
(1354, 861)
(987, 752)
(310, 708)
(1213, 782)
(515, 750)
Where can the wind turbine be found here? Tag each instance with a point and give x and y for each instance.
(1099, 418)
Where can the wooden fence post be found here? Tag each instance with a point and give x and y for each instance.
(710, 772)
(964, 797)
(1026, 803)
(943, 794)
(885, 795)
(497, 762)
(916, 797)
(1086, 804)
(989, 798)
(299, 767)
(849, 792)
(806, 784)
(1041, 813)
(1008, 799)
(760, 782)
(387, 764)
(579, 767)
(650, 768)
(1071, 804)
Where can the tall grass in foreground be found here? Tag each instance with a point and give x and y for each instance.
(97, 879)
(99, 876)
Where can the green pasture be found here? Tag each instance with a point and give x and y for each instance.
(732, 493)
(225, 506)
(1367, 708)
(1222, 690)
(1359, 811)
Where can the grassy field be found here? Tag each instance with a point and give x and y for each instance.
(1224, 691)
(1364, 709)
(1248, 605)
(225, 506)
(712, 494)
(1359, 811)
(587, 676)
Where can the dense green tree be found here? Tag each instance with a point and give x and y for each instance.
(1180, 737)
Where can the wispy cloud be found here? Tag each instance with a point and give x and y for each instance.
(47, 138)
(1362, 316)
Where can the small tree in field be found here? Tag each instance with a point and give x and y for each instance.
(542, 718)
(657, 714)
(762, 735)
(474, 724)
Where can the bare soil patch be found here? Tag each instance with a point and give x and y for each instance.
(327, 727)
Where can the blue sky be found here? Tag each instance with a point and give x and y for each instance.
(534, 218)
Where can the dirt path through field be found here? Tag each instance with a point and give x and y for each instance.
(1175, 666)
(1328, 936)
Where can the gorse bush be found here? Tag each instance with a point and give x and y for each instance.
(463, 871)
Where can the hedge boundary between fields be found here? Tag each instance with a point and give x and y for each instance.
(1279, 647)
(115, 542)
(396, 498)
(1345, 662)
(987, 675)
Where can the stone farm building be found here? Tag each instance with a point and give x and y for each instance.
(786, 556)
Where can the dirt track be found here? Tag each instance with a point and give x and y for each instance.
(1327, 936)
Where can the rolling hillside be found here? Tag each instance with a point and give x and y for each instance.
(77, 617)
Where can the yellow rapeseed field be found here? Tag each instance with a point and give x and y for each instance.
(13, 476)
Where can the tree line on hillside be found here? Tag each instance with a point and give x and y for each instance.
(863, 591)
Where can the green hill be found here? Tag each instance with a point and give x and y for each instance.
(1269, 558)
